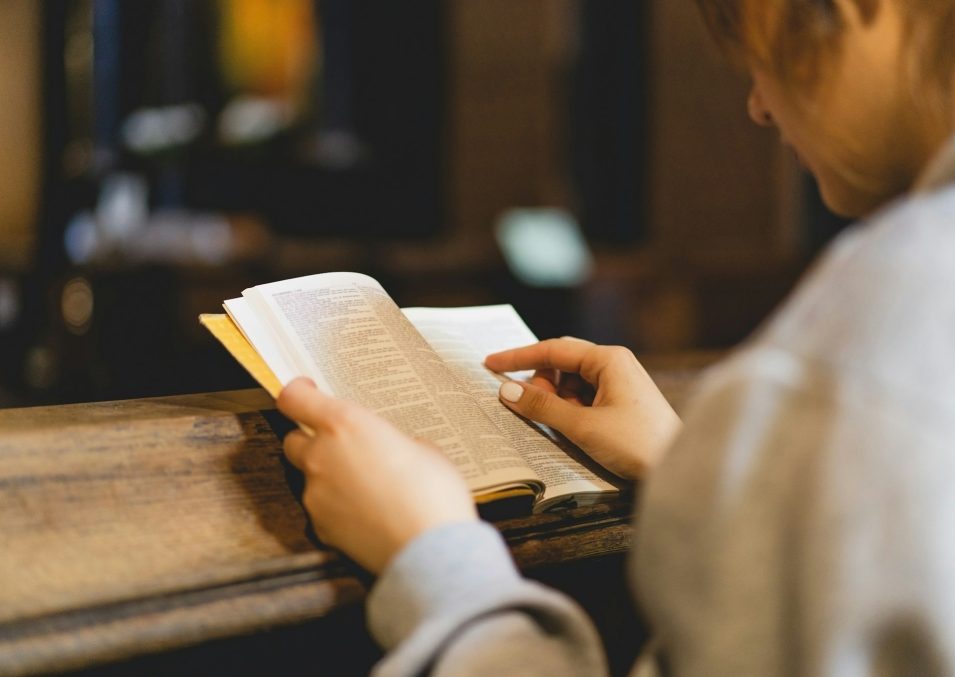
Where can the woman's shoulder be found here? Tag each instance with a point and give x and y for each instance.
(915, 234)
(879, 302)
(908, 242)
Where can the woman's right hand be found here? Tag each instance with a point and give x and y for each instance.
(599, 397)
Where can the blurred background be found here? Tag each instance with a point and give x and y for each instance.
(590, 162)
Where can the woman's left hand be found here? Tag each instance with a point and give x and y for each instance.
(369, 488)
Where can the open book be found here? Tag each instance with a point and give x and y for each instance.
(420, 368)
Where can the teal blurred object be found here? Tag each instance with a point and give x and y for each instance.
(544, 247)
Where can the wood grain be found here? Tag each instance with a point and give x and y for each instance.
(145, 525)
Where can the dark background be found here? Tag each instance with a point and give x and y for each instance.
(417, 125)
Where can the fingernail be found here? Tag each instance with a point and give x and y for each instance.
(299, 382)
(511, 391)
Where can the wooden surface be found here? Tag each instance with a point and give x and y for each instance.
(145, 525)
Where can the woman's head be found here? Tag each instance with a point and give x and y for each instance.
(864, 90)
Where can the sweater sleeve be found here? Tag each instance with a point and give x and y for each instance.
(453, 603)
(802, 526)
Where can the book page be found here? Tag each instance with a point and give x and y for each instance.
(463, 337)
(259, 335)
(345, 332)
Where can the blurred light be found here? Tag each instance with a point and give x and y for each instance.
(81, 239)
(9, 304)
(150, 130)
(250, 119)
(178, 236)
(544, 247)
(212, 240)
(77, 305)
(123, 206)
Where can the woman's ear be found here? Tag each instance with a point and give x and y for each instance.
(758, 112)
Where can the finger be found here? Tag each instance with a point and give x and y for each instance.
(546, 379)
(295, 445)
(564, 354)
(539, 405)
(302, 402)
(500, 361)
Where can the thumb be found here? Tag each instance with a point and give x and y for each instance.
(538, 405)
(305, 404)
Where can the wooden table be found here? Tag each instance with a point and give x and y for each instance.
(147, 525)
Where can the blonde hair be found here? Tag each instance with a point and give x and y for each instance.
(790, 38)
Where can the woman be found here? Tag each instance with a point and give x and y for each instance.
(800, 522)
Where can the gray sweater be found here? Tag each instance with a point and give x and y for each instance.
(803, 522)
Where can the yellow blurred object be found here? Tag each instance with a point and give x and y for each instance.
(268, 47)
(19, 129)
(224, 329)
